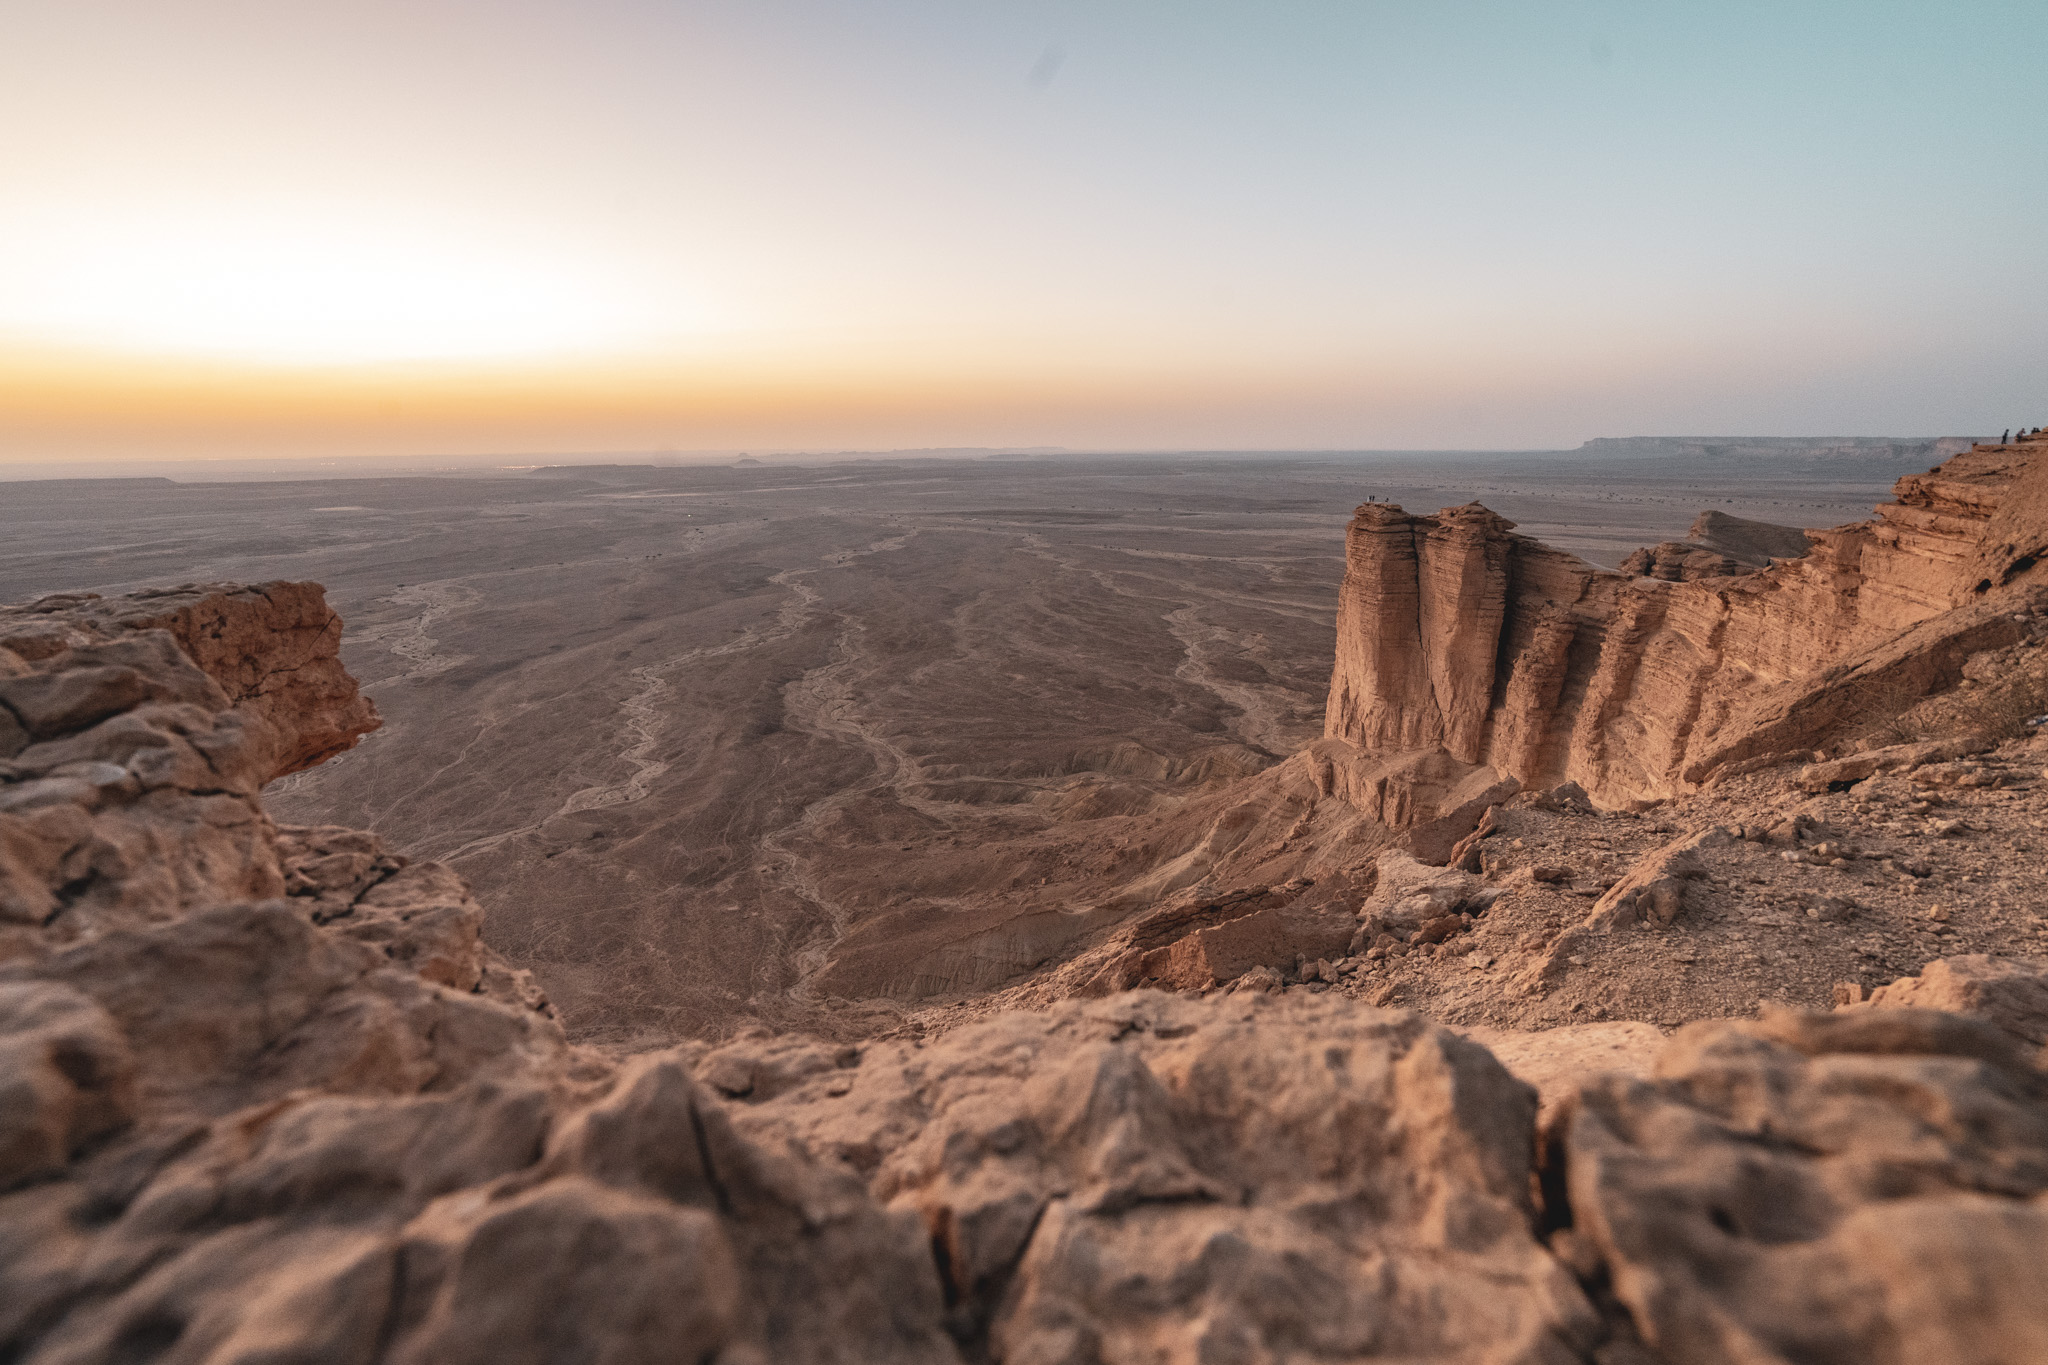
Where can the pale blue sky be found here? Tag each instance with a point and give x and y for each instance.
(1120, 224)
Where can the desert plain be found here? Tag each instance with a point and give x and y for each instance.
(722, 745)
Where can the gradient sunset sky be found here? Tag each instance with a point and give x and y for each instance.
(279, 228)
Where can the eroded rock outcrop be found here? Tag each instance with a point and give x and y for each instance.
(1459, 638)
(1716, 546)
(1859, 1186)
(272, 649)
(266, 1096)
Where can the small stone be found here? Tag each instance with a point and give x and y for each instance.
(1441, 928)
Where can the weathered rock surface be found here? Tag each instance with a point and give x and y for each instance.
(2011, 994)
(1192, 945)
(1716, 546)
(135, 734)
(1505, 658)
(1154, 1178)
(1864, 1186)
(272, 649)
(1842, 773)
(266, 1096)
(1653, 891)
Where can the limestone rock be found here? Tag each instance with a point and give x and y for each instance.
(266, 1096)
(1192, 945)
(130, 791)
(2009, 993)
(1862, 1186)
(273, 650)
(1558, 1061)
(1653, 891)
(66, 1077)
(1155, 1178)
(570, 1271)
(1841, 773)
(1410, 893)
(1717, 546)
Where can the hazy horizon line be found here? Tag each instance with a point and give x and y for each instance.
(166, 468)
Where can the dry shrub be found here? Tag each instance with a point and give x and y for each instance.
(1901, 712)
(2001, 710)
(1897, 705)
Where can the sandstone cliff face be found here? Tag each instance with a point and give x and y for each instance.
(1457, 636)
(264, 1097)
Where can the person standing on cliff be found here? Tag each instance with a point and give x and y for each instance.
(2006, 439)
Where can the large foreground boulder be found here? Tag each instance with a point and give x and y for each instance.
(1864, 1186)
(1151, 1177)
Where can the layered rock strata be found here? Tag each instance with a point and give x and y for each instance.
(265, 1097)
(1716, 546)
(1459, 638)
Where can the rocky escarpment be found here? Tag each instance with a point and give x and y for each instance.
(265, 1097)
(1716, 546)
(1465, 645)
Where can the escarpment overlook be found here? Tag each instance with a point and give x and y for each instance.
(1475, 1031)
(1456, 635)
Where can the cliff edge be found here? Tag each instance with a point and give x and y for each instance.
(265, 1097)
(1460, 639)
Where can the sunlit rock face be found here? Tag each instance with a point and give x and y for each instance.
(1457, 635)
(266, 1096)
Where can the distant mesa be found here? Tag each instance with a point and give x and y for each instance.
(1908, 449)
(744, 461)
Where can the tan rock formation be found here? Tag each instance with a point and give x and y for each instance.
(264, 1096)
(1152, 1178)
(1460, 638)
(2009, 993)
(273, 649)
(1716, 546)
(1863, 1186)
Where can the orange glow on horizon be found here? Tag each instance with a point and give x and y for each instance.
(780, 392)
(445, 226)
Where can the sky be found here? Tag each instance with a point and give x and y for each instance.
(274, 228)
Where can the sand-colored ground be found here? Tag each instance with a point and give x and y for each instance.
(686, 730)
